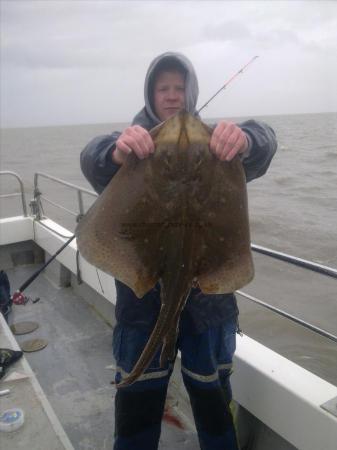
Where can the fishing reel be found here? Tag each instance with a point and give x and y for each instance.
(18, 298)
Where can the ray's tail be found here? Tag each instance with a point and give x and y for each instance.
(173, 295)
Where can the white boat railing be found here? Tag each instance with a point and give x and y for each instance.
(37, 212)
(16, 194)
(38, 196)
(315, 267)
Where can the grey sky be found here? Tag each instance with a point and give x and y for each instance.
(81, 61)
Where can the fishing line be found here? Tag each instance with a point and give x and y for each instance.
(227, 83)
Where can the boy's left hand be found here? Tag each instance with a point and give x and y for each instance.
(227, 141)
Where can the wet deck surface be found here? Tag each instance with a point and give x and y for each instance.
(72, 369)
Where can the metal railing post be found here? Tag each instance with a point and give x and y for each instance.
(80, 206)
(22, 190)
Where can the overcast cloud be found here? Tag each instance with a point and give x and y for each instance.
(81, 61)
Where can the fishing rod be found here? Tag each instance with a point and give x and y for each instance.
(227, 82)
(18, 298)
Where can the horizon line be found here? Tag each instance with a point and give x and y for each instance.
(11, 127)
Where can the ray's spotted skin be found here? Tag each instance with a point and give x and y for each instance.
(179, 216)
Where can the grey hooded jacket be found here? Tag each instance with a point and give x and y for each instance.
(201, 311)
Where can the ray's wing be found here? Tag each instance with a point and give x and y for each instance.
(225, 261)
(124, 231)
(120, 232)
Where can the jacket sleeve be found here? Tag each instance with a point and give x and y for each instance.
(96, 162)
(263, 146)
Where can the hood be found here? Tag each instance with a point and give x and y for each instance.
(147, 117)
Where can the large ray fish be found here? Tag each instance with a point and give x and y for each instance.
(179, 216)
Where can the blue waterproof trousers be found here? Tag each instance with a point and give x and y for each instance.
(206, 361)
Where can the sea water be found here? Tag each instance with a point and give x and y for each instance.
(293, 209)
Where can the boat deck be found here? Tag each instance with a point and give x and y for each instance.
(72, 369)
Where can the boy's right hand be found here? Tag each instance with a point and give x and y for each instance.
(133, 139)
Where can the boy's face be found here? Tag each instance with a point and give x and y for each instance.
(169, 94)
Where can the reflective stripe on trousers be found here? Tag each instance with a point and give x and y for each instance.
(206, 361)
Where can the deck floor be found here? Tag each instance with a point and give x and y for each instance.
(72, 369)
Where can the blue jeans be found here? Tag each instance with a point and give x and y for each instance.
(206, 362)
